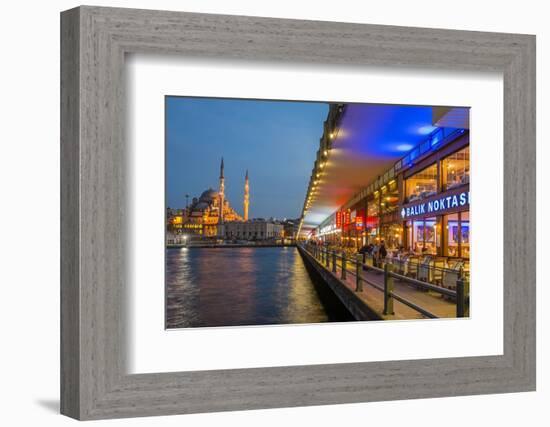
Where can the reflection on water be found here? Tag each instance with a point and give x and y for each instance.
(243, 286)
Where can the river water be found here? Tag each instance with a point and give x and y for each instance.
(244, 286)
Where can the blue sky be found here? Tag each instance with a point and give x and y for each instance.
(275, 140)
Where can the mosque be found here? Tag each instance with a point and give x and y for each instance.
(206, 215)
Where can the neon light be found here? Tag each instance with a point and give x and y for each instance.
(437, 205)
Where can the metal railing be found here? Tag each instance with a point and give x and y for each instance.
(428, 269)
(334, 260)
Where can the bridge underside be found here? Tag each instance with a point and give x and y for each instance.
(370, 138)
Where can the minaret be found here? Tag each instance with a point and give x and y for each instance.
(246, 196)
(222, 191)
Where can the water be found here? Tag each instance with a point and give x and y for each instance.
(244, 286)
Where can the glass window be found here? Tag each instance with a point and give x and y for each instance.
(389, 198)
(392, 235)
(465, 234)
(372, 219)
(422, 184)
(458, 235)
(430, 236)
(373, 205)
(456, 169)
(453, 239)
(409, 232)
(424, 236)
(418, 236)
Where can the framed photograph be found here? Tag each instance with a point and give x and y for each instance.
(262, 213)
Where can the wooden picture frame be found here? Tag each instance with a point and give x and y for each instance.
(94, 382)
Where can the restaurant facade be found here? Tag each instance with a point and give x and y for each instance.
(420, 205)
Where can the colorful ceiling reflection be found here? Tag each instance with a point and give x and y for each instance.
(369, 140)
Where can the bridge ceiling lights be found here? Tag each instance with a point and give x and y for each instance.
(360, 143)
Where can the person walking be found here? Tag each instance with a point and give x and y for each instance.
(382, 253)
(375, 254)
(363, 249)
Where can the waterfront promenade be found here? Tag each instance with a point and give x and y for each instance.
(370, 296)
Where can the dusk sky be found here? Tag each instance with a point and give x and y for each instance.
(276, 141)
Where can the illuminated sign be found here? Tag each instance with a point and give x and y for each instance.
(359, 222)
(327, 229)
(347, 217)
(339, 219)
(437, 205)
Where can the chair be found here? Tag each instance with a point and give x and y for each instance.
(402, 266)
(466, 269)
(439, 265)
(452, 275)
(412, 266)
(424, 269)
(451, 262)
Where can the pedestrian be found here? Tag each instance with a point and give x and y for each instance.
(382, 252)
(375, 254)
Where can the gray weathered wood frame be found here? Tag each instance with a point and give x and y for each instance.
(94, 41)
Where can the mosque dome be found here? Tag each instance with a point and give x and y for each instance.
(201, 206)
(209, 195)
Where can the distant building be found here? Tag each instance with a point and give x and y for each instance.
(174, 220)
(290, 228)
(204, 216)
(175, 238)
(256, 229)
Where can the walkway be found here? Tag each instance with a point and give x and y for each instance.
(374, 298)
